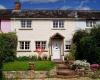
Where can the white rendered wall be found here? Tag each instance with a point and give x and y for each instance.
(42, 30)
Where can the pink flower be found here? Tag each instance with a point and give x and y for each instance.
(95, 66)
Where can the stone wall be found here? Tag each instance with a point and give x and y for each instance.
(9, 75)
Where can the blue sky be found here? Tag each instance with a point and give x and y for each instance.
(53, 4)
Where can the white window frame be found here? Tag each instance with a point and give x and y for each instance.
(67, 44)
(26, 24)
(90, 23)
(40, 44)
(58, 24)
(67, 47)
(24, 45)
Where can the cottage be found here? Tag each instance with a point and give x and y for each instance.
(46, 32)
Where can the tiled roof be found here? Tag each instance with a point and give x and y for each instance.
(73, 14)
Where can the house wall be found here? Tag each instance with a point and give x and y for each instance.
(42, 30)
(5, 26)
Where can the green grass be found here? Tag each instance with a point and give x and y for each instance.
(23, 66)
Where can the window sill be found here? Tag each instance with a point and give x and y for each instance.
(26, 29)
(24, 51)
(43, 51)
(59, 29)
(67, 50)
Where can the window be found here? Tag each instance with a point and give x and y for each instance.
(40, 44)
(58, 24)
(90, 23)
(24, 45)
(26, 24)
(67, 45)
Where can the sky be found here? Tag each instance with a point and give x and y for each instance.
(53, 4)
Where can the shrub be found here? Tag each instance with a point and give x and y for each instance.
(8, 45)
(34, 58)
(87, 45)
(95, 66)
(27, 58)
(79, 64)
(39, 58)
(23, 58)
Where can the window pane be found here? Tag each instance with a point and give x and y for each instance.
(61, 24)
(40, 44)
(90, 23)
(24, 45)
(58, 24)
(67, 46)
(55, 24)
(23, 23)
(29, 23)
(26, 23)
(21, 45)
(27, 45)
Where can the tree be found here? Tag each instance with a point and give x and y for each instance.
(88, 45)
(8, 45)
(76, 40)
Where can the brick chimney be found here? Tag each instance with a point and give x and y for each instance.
(17, 5)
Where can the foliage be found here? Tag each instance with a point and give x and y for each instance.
(23, 65)
(72, 51)
(87, 45)
(95, 66)
(27, 58)
(79, 64)
(95, 75)
(8, 45)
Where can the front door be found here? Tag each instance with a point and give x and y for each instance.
(56, 49)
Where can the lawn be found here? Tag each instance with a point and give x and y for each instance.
(23, 65)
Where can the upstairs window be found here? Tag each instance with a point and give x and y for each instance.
(40, 44)
(25, 24)
(58, 24)
(90, 23)
(24, 45)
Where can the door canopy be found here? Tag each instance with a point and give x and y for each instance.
(57, 36)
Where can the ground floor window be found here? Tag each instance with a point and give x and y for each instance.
(40, 44)
(67, 45)
(24, 45)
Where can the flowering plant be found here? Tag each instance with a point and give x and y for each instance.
(95, 66)
(80, 64)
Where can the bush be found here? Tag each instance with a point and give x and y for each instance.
(79, 64)
(95, 66)
(27, 58)
(8, 45)
(23, 58)
(87, 45)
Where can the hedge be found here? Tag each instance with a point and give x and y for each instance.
(8, 45)
(87, 45)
